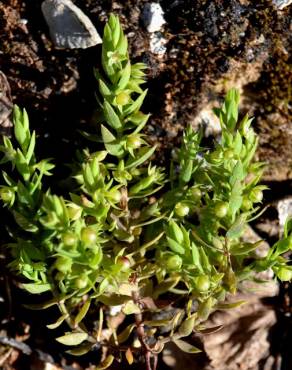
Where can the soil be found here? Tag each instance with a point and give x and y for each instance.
(212, 45)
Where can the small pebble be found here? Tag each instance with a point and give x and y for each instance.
(157, 44)
(284, 208)
(69, 26)
(152, 16)
(281, 4)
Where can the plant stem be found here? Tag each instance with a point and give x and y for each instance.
(141, 334)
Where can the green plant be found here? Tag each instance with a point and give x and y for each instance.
(130, 235)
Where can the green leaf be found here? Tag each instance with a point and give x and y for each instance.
(24, 223)
(141, 157)
(186, 328)
(110, 142)
(19, 130)
(186, 171)
(235, 200)
(227, 306)
(104, 89)
(204, 260)
(125, 76)
(116, 28)
(137, 104)
(48, 304)
(21, 165)
(81, 350)
(58, 322)
(174, 232)
(9, 181)
(111, 116)
(196, 257)
(237, 228)
(82, 313)
(124, 335)
(31, 147)
(140, 121)
(237, 146)
(288, 227)
(131, 308)
(244, 249)
(237, 174)
(72, 339)
(186, 347)
(35, 288)
(175, 246)
(122, 45)
(165, 286)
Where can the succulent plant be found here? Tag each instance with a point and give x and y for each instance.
(132, 239)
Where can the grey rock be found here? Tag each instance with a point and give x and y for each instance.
(157, 44)
(5, 105)
(284, 208)
(69, 26)
(281, 4)
(152, 17)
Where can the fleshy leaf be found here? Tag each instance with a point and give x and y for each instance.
(34, 288)
(58, 322)
(186, 347)
(106, 363)
(72, 339)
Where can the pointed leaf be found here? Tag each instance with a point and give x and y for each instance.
(58, 322)
(244, 249)
(125, 76)
(82, 313)
(31, 147)
(186, 347)
(124, 335)
(72, 339)
(137, 103)
(131, 308)
(174, 246)
(106, 363)
(111, 116)
(24, 223)
(129, 356)
(103, 88)
(237, 228)
(81, 350)
(36, 288)
(110, 142)
(226, 306)
(142, 156)
(165, 286)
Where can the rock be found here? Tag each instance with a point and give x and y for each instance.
(284, 208)
(239, 340)
(5, 105)
(69, 26)
(152, 16)
(207, 119)
(243, 342)
(281, 4)
(157, 44)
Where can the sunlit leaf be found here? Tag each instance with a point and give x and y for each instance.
(186, 347)
(106, 363)
(36, 288)
(72, 339)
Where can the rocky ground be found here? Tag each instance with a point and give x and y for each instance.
(203, 48)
